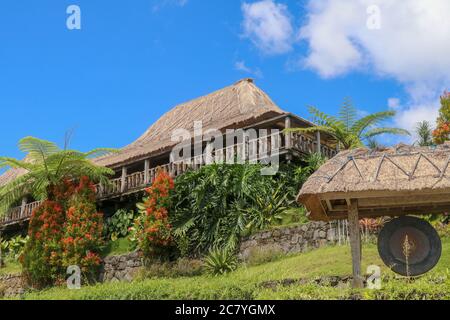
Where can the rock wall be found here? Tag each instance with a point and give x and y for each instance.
(291, 239)
(121, 268)
(11, 285)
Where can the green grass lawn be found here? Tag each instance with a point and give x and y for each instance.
(251, 282)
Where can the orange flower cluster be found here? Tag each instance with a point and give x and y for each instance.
(67, 231)
(153, 230)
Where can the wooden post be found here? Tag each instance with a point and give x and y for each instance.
(23, 206)
(123, 186)
(355, 243)
(288, 135)
(319, 143)
(288, 138)
(147, 171)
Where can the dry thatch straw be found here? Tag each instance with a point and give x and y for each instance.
(393, 181)
(231, 107)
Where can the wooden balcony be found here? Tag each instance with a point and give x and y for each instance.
(252, 151)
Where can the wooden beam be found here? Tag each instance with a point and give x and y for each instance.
(355, 243)
(147, 171)
(123, 185)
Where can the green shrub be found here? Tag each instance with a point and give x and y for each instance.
(220, 261)
(119, 224)
(12, 249)
(215, 205)
(265, 254)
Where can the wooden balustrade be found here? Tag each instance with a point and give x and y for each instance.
(250, 150)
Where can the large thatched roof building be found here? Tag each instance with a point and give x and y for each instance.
(388, 182)
(239, 106)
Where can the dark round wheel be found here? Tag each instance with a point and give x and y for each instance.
(409, 246)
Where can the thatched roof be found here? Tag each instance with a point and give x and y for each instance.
(236, 105)
(402, 172)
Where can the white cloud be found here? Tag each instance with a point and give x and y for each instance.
(411, 46)
(268, 25)
(393, 103)
(241, 66)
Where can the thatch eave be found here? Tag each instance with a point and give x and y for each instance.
(393, 181)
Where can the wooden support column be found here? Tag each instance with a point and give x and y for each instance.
(288, 138)
(288, 135)
(355, 243)
(319, 143)
(147, 171)
(123, 185)
(23, 206)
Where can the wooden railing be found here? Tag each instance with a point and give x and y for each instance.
(251, 151)
(308, 145)
(19, 214)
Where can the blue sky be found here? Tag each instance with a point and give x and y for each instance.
(134, 60)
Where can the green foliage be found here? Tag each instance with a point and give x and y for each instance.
(215, 205)
(220, 261)
(118, 226)
(424, 133)
(46, 165)
(117, 247)
(442, 131)
(347, 128)
(12, 249)
(268, 206)
(312, 163)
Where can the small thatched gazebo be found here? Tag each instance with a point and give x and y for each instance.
(394, 182)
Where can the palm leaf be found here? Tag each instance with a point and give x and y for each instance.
(371, 120)
(377, 131)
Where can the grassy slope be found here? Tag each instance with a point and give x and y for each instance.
(245, 283)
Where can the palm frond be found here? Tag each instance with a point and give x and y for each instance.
(100, 152)
(377, 131)
(348, 114)
(37, 149)
(371, 120)
(321, 118)
(14, 163)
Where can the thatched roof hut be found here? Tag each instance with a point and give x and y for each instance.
(389, 182)
(234, 106)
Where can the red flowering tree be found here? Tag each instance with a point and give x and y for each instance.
(83, 228)
(442, 131)
(42, 254)
(64, 232)
(152, 230)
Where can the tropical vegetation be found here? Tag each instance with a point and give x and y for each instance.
(348, 129)
(45, 167)
(442, 131)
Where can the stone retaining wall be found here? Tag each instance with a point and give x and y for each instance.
(11, 285)
(121, 268)
(291, 239)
